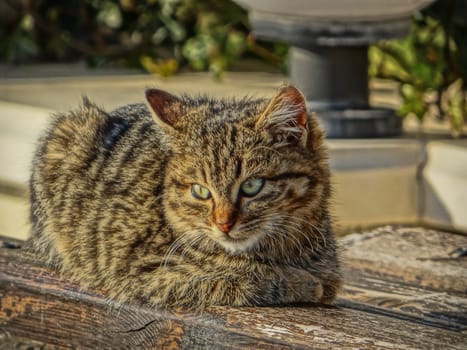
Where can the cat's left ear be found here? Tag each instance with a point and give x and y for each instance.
(285, 118)
(165, 108)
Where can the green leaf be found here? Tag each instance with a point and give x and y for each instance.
(235, 44)
(110, 15)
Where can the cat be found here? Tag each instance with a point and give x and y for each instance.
(188, 201)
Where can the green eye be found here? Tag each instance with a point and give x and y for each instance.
(252, 187)
(200, 192)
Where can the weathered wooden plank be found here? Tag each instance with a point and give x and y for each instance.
(431, 307)
(415, 256)
(8, 342)
(81, 323)
(36, 304)
(403, 270)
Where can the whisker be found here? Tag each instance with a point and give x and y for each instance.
(195, 239)
(281, 227)
(183, 240)
(294, 227)
(316, 228)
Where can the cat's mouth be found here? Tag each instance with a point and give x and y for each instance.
(234, 244)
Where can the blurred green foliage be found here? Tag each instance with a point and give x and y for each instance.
(430, 64)
(158, 35)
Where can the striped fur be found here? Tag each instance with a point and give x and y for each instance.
(111, 204)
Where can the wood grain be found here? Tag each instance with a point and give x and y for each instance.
(413, 273)
(374, 312)
(416, 256)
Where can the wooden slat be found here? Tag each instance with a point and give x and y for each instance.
(416, 273)
(37, 305)
(416, 256)
(431, 307)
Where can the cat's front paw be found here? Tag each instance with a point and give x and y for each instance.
(300, 286)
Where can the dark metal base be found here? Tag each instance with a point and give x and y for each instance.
(363, 123)
(331, 77)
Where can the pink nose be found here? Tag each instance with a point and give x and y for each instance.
(225, 226)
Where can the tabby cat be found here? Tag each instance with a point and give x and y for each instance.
(188, 201)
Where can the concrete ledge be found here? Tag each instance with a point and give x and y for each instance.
(63, 93)
(20, 126)
(14, 214)
(445, 184)
(375, 181)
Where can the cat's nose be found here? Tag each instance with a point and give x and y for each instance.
(225, 217)
(225, 226)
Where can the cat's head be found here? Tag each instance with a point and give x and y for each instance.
(248, 174)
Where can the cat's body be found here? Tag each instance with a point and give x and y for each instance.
(188, 201)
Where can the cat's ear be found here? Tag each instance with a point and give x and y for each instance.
(285, 118)
(165, 108)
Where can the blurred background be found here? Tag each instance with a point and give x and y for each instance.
(166, 37)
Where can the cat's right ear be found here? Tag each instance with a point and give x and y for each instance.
(285, 118)
(165, 108)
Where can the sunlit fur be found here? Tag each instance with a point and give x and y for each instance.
(111, 203)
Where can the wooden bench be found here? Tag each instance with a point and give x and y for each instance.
(404, 288)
